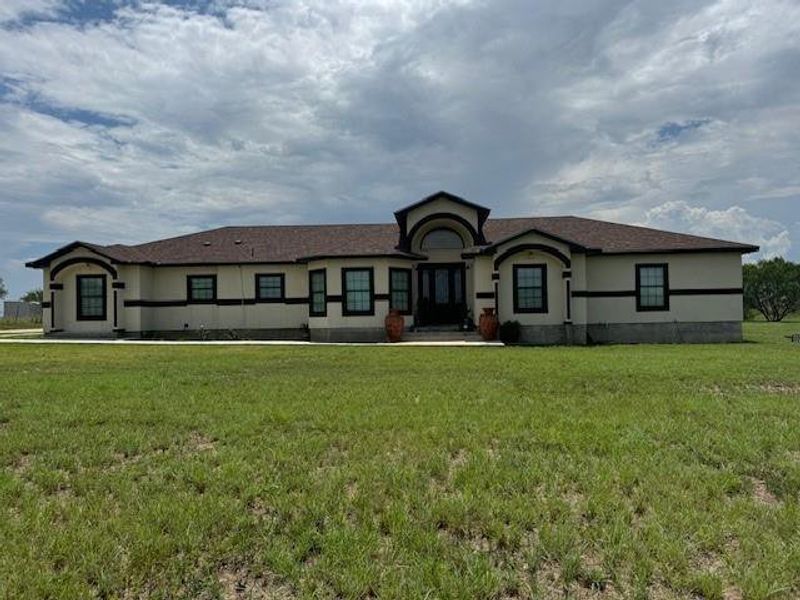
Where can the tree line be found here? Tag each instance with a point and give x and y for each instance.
(772, 288)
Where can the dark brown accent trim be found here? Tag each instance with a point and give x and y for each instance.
(191, 300)
(346, 312)
(56, 331)
(56, 286)
(495, 276)
(707, 292)
(566, 274)
(295, 300)
(382, 297)
(515, 289)
(333, 298)
(323, 291)
(46, 260)
(46, 305)
(153, 303)
(569, 300)
(523, 247)
(485, 295)
(282, 279)
(665, 270)
(604, 294)
(118, 285)
(115, 308)
(75, 261)
(744, 249)
(573, 246)
(79, 305)
(409, 274)
(52, 310)
(477, 237)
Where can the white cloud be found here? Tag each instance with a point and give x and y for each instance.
(734, 223)
(14, 9)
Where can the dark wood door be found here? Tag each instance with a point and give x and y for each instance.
(441, 298)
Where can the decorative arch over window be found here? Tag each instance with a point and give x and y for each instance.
(442, 238)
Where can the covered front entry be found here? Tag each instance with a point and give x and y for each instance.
(442, 294)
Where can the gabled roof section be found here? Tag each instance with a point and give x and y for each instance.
(483, 212)
(603, 237)
(115, 253)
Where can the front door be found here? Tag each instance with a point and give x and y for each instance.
(441, 294)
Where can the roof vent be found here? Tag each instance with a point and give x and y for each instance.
(237, 242)
(206, 243)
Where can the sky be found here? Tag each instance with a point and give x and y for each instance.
(124, 122)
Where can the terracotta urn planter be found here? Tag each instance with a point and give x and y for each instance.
(394, 324)
(487, 324)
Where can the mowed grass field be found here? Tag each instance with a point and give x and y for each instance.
(355, 472)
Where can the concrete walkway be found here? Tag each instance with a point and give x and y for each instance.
(20, 331)
(238, 343)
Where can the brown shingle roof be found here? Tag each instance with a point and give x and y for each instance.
(290, 243)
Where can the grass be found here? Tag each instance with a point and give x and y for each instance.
(236, 472)
(6, 324)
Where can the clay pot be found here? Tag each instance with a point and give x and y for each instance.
(488, 324)
(394, 324)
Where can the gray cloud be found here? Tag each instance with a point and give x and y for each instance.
(159, 119)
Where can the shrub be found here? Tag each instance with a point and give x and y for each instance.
(510, 332)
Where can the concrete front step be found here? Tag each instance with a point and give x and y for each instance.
(442, 336)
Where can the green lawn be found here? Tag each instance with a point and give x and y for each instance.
(237, 472)
(6, 324)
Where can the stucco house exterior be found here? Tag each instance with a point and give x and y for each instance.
(566, 280)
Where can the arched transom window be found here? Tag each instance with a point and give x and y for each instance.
(442, 239)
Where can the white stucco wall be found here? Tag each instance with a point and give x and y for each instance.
(715, 270)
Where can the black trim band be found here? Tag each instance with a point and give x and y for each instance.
(485, 295)
(76, 261)
(117, 285)
(540, 247)
(683, 292)
(56, 286)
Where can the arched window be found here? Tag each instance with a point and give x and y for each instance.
(442, 239)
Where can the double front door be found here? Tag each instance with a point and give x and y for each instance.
(441, 294)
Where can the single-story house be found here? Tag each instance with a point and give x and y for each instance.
(566, 280)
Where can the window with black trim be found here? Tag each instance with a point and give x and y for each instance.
(317, 290)
(91, 300)
(357, 292)
(270, 286)
(201, 289)
(530, 288)
(442, 239)
(400, 290)
(652, 287)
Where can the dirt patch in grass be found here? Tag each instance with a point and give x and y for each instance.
(761, 493)
(21, 465)
(240, 584)
(199, 442)
(776, 388)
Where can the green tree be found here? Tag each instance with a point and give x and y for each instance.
(772, 287)
(33, 296)
(3, 290)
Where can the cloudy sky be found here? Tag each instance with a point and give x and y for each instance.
(129, 121)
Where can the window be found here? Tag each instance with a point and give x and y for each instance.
(357, 292)
(201, 288)
(400, 290)
(270, 286)
(91, 297)
(442, 239)
(530, 288)
(317, 304)
(652, 287)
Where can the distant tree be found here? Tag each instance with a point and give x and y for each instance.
(33, 296)
(3, 290)
(772, 287)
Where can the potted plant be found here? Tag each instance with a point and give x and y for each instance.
(394, 324)
(487, 324)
